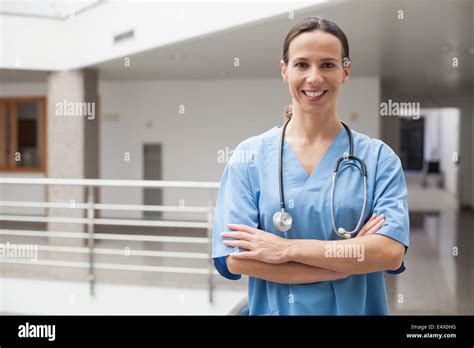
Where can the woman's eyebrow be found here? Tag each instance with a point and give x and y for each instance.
(326, 59)
(322, 59)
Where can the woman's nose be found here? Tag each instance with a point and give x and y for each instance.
(315, 76)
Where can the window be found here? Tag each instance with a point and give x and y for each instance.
(23, 134)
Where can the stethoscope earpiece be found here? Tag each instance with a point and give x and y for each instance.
(283, 220)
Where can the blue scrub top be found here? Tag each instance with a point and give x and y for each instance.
(249, 195)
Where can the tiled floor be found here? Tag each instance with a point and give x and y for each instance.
(439, 278)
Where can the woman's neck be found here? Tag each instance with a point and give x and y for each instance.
(312, 129)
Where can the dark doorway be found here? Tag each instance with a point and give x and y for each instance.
(152, 171)
(412, 143)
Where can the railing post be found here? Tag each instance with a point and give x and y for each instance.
(90, 230)
(210, 215)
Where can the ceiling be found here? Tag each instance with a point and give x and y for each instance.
(419, 47)
(417, 50)
(47, 9)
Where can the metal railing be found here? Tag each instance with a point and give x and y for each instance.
(90, 221)
(240, 308)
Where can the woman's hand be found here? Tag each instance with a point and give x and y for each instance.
(270, 248)
(262, 246)
(372, 225)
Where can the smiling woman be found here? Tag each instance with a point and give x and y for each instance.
(330, 32)
(296, 264)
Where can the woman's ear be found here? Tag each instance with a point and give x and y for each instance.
(346, 66)
(283, 71)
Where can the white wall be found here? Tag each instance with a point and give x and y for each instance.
(25, 89)
(219, 114)
(450, 120)
(361, 95)
(441, 141)
(432, 134)
(39, 44)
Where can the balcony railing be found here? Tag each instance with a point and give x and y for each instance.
(90, 221)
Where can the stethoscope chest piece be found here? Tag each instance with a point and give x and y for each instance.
(343, 233)
(282, 221)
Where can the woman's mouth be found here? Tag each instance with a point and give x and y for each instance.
(313, 95)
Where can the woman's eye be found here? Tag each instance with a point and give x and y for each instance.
(304, 65)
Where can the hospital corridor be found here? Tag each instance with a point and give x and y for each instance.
(133, 133)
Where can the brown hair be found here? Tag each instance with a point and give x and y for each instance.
(311, 24)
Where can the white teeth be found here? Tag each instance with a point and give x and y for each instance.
(313, 94)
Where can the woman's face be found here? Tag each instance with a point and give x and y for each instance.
(315, 66)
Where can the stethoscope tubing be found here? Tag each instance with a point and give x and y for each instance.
(285, 227)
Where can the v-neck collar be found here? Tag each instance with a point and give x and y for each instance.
(294, 172)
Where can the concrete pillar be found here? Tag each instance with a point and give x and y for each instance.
(73, 142)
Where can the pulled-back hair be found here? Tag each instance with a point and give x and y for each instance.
(309, 24)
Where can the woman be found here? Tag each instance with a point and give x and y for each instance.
(311, 269)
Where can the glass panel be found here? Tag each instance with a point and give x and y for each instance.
(28, 119)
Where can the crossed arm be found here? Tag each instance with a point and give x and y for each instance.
(286, 273)
(291, 261)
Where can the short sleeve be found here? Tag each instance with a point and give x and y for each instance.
(390, 199)
(235, 204)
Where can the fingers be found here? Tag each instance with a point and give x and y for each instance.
(238, 243)
(372, 218)
(237, 235)
(244, 255)
(373, 221)
(376, 227)
(243, 228)
(364, 228)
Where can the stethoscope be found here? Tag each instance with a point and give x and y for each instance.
(283, 221)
